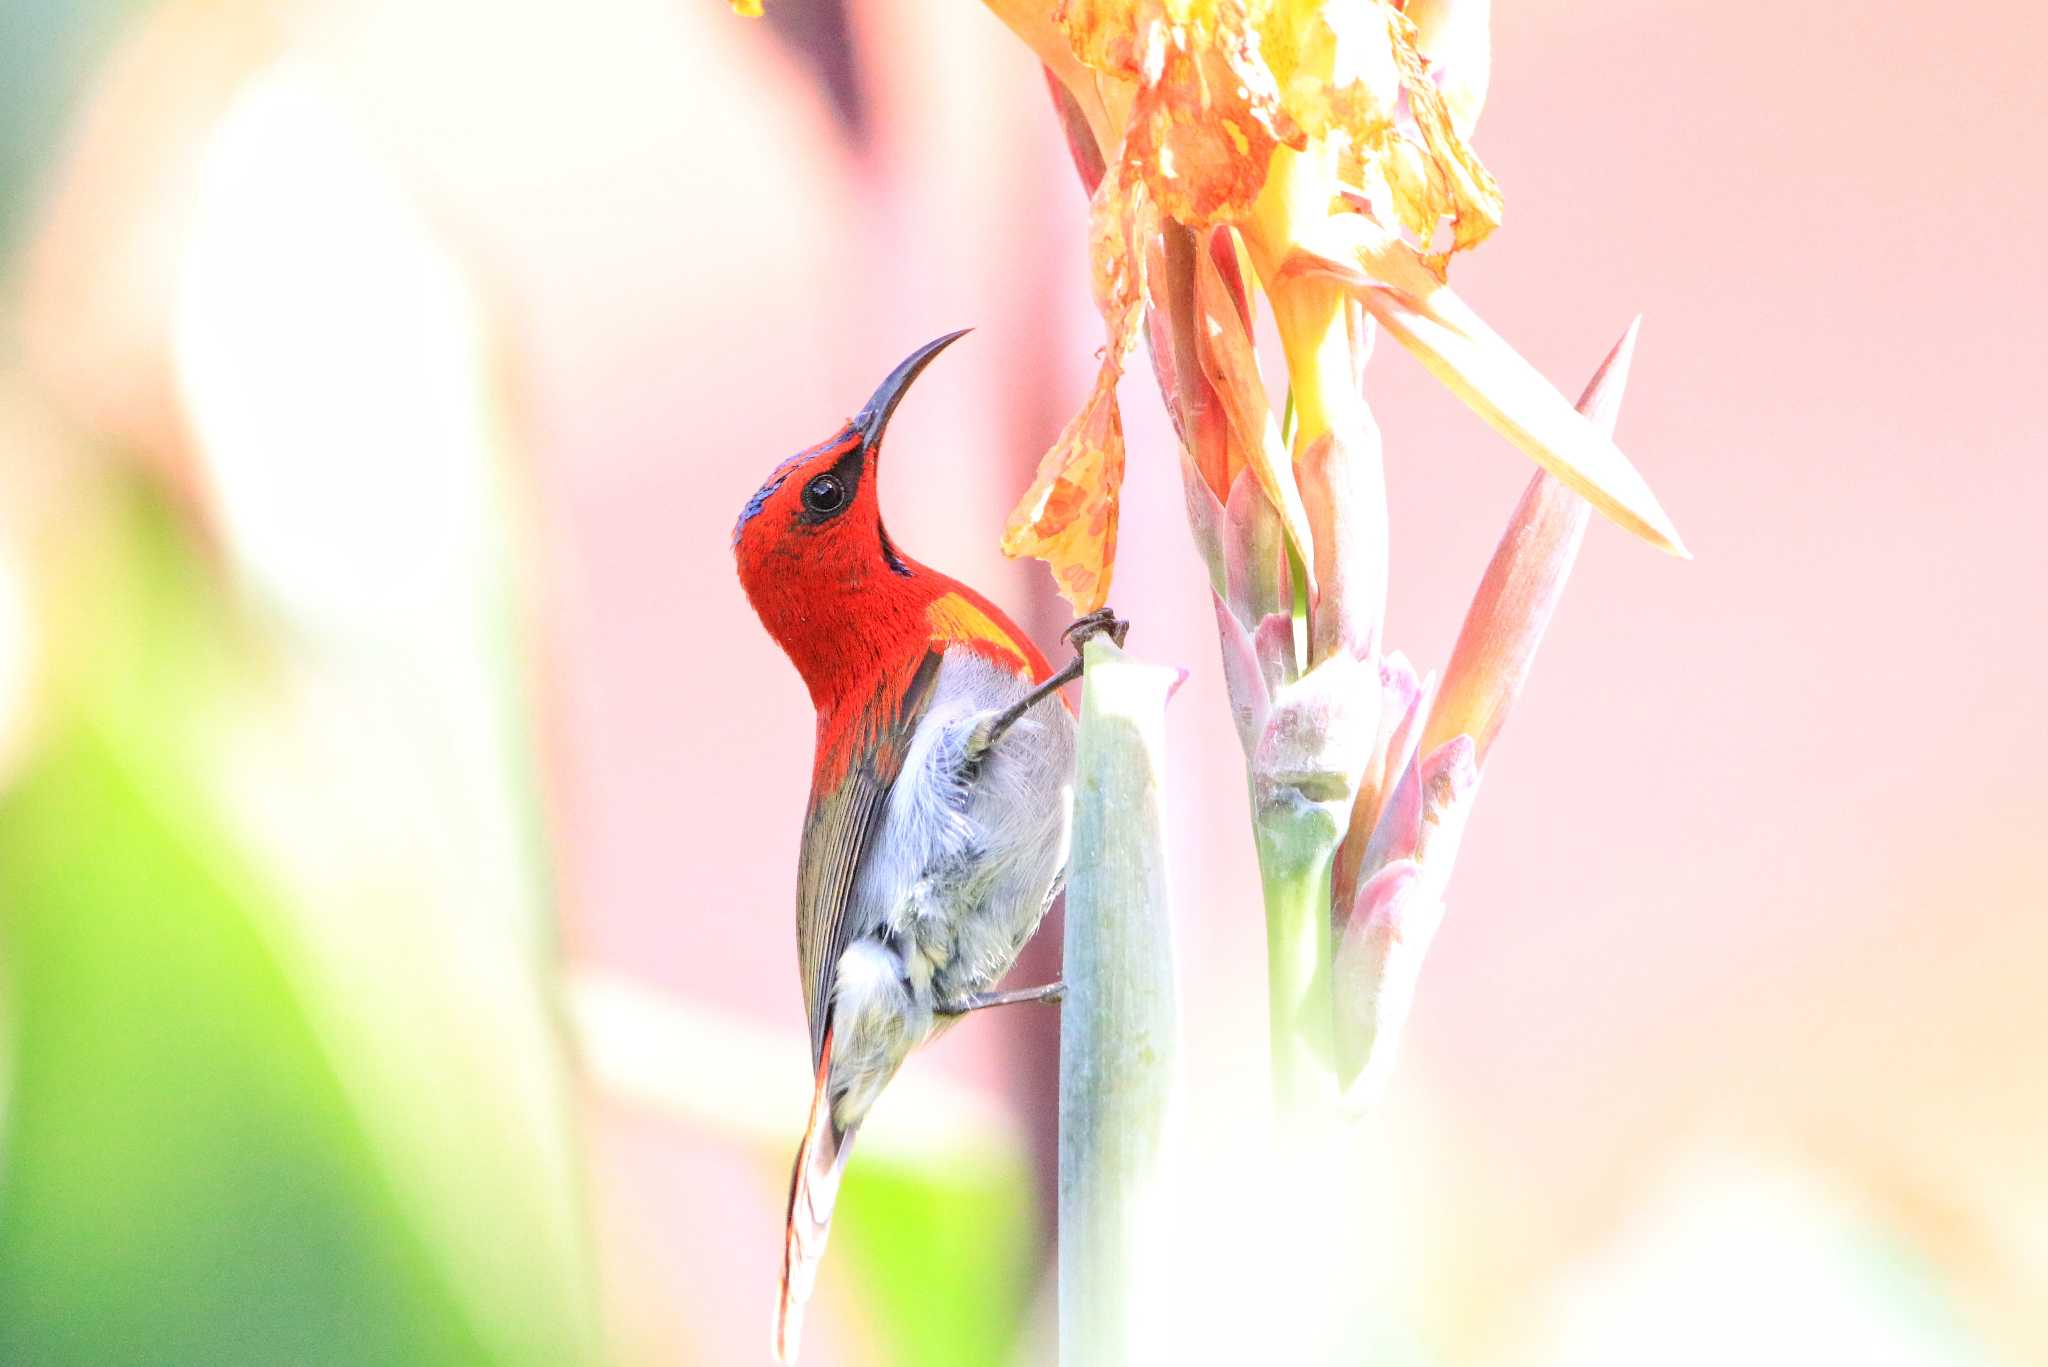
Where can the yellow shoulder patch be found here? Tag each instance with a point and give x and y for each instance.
(954, 618)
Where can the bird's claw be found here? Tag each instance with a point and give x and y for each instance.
(1103, 623)
(990, 730)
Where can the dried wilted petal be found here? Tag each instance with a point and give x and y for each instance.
(1442, 331)
(1068, 516)
(1356, 78)
(1523, 583)
(1206, 115)
(1106, 34)
(1121, 224)
(1338, 77)
(1446, 180)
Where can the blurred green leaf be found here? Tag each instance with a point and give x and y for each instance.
(182, 1178)
(945, 1256)
(183, 1181)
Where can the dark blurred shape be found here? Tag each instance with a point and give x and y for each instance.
(818, 31)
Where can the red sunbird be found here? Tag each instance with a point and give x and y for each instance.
(936, 834)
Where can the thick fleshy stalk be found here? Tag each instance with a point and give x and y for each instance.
(1119, 1030)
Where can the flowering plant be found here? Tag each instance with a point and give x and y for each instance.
(1316, 154)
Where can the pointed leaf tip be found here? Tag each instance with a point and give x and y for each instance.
(1523, 584)
(1474, 362)
(1601, 399)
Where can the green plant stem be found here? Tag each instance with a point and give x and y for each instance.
(1294, 867)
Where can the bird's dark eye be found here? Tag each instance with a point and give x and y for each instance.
(824, 495)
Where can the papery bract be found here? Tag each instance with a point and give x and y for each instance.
(1404, 705)
(1347, 512)
(1381, 945)
(1250, 697)
(1253, 557)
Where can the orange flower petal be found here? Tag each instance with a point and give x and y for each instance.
(1207, 112)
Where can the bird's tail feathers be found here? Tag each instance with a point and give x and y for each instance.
(813, 1188)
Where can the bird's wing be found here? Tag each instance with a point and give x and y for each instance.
(845, 812)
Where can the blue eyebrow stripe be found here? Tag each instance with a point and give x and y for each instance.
(780, 475)
(759, 501)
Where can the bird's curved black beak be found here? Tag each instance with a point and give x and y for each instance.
(872, 419)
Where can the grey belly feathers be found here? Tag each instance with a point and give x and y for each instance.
(970, 852)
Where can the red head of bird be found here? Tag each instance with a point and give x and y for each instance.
(817, 564)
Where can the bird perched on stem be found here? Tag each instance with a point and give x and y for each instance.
(936, 834)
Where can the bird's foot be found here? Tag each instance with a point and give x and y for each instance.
(1084, 629)
(1103, 623)
(1051, 994)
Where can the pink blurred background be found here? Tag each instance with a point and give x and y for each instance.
(1757, 886)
